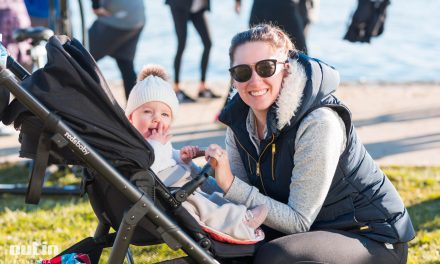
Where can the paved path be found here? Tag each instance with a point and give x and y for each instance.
(399, 123)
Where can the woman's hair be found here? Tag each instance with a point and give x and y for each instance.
(268, 33)
(152, 70)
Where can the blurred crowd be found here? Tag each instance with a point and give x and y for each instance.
(118, 25)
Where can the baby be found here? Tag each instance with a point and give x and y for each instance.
(151, 107)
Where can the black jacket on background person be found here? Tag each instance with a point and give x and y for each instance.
(282, 13)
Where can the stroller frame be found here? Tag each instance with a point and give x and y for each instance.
(64, 136)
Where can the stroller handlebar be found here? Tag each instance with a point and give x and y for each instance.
(183, 192)
(19, 71)
(7, 62)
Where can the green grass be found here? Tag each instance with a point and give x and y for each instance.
(55, 222)
(61, 222)
(419, 188)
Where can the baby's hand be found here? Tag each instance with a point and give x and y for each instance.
(160, 134)
(187, 153)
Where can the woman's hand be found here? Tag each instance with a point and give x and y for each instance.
(101, 12)
(223, 174)
(160, 134)
(237, 7)
(187, 153)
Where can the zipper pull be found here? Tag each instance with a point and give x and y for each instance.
(364, 228)
(273, 160)
(258, 169)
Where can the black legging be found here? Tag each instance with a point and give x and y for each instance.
(329, 247)
(181, 17)
(128, 74)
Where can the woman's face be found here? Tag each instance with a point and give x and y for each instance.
(258, 92)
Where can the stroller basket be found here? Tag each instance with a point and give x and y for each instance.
(68, 109)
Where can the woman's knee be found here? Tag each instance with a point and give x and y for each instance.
(270, 253)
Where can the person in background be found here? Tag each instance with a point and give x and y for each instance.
(116, 33)
(184, 11)
(292, 146)
(39, 11)
(293, 16)
(151, 107)
(309, 12)
(13, 15)
(48, 13)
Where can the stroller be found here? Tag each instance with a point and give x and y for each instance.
(67, 115)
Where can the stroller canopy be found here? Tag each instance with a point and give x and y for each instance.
(72, 86)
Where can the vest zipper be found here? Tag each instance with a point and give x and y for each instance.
(249, 155)
(257, 167)
(249, 163)
(273, 161)
(262, 152)
(259, 175)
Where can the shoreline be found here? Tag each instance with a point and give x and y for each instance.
(398, 123)
(391, 83)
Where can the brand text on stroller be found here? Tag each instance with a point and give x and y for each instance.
(77, 143)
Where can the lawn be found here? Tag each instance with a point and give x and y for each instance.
(30, 233)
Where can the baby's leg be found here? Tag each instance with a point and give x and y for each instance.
(256, 216)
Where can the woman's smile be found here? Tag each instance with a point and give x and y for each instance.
(259, 92)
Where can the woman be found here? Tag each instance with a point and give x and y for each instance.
(194, 11)
(291, 144)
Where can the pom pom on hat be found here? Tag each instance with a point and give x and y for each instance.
(152, 86)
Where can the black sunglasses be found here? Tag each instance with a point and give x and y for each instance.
(264, 68)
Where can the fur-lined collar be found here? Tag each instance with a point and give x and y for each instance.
(292, 90)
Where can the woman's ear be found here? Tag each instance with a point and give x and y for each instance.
(286, 69)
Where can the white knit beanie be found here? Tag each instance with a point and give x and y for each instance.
(151, 87)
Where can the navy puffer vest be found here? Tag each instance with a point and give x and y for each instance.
(361, 198)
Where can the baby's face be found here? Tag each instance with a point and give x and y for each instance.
(149, 116)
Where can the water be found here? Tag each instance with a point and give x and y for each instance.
(407, 51)
(3, 53)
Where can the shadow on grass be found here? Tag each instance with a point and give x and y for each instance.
(19, 174)
(11, 173)
(17, 202)
(58, 181)
(426, 215)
